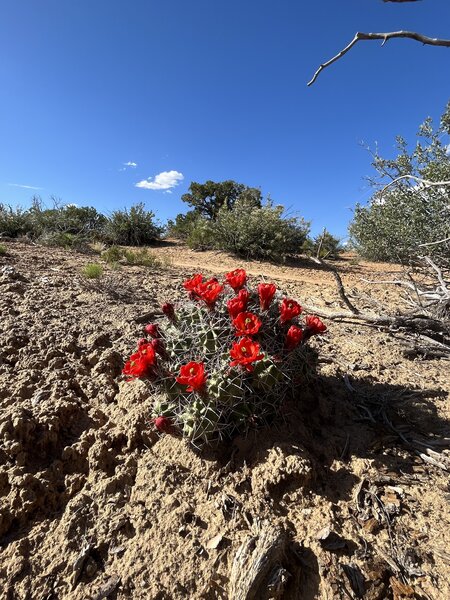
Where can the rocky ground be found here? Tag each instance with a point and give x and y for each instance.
(95, 504)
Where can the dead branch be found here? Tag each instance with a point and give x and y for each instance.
(440, 277)
(340, 285)
(418, 37)
(257, 563)
(434, 243)
(425, 182)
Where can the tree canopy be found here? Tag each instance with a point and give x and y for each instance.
(411, 215)
(209, 197)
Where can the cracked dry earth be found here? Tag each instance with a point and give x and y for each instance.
(94, 504)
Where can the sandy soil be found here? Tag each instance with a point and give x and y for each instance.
(94, 504)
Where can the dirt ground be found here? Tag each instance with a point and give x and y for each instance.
(95, 504)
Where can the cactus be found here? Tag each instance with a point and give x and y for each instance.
(211, 379)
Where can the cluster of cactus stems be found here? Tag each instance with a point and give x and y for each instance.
(210, 379)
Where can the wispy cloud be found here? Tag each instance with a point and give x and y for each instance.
(25, 187)
(447, 150)
(165, 181)
(128, 165)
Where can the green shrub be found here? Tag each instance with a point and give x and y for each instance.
(261, 233)
(181, 228)
(329, 246)
(92, 271)
(133, 227)
(3, 250)
(61, 239)
(202, 235)
(112, 254)
(398, 220)
(13, 221)
(142, 258)
(83, 223)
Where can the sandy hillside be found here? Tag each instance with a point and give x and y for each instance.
(94, 504)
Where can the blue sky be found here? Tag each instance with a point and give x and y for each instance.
(210, 89)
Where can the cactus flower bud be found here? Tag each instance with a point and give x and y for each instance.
(158, 347)
(169, 310)
(163, 424)
(152, 329)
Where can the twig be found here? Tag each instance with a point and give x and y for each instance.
(418, 37)
(443, 283)
(425, 182)
(340, 285)
(435, 243)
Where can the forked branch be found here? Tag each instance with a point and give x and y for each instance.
(418, 37)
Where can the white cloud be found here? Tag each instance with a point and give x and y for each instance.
(128, 165)
(447, 150)
(163, 181)
(26, 187)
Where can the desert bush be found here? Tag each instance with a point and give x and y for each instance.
(3, 250)
(181, 227)
(112, 254)
(225, 359)
(261, 233)
(79, 224)
(141, 257)
(63, 240)
(13, 221)
(398, 220)
(133, 227)
(92, 271)
(203, 235)
(325, 245)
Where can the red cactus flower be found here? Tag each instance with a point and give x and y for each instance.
(238, 304)
(289, 309)
(236, 279)
(245, 352)
(244, 296)
(192, 375)
(169, 310)
(209, 291)
(293, 337)
(141, 342)
(247, 323)
(152, 330)
(163, 424)
(140, 363)
(235, 306)
(266, 292)
(314, 325)
(191, 284)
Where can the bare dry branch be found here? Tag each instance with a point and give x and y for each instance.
(254, 561)
(434, 243)
(439, 274)
(425, 182)
(418, 37)
(340, 285)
